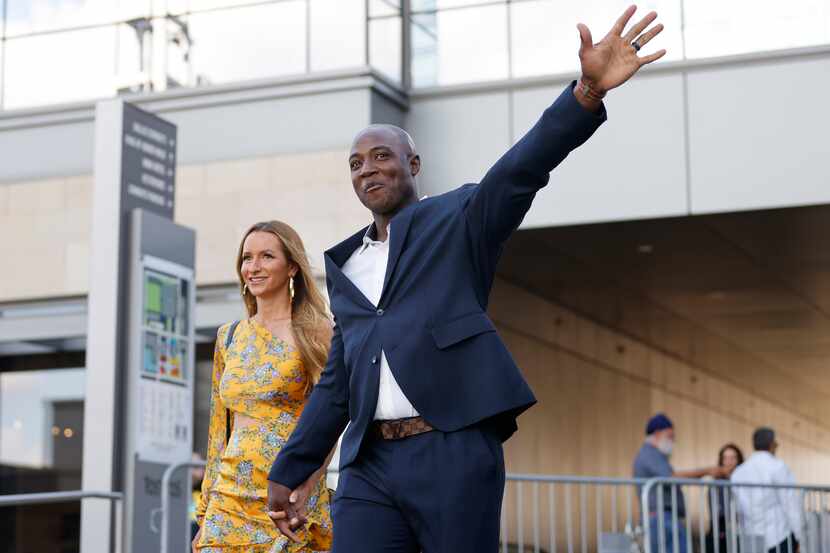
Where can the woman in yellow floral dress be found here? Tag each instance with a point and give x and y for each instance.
(263, 371)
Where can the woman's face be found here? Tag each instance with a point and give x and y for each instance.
(730, 460)
(265, 268)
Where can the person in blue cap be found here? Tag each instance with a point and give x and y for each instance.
(652, 461)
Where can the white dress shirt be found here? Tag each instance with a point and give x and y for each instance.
(769, 512)
(366, 268)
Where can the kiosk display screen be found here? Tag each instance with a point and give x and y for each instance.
(165, 327)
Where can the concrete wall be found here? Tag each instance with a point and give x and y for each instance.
(48, 221)
(681, 138)
(246, 152)
(597, 388)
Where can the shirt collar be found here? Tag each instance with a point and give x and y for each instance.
(370, 238)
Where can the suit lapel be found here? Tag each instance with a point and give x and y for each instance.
(336, 257)
(399, 228)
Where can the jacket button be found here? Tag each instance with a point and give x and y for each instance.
(380, 312)
(374, 360)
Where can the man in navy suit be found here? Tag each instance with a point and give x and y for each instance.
(416, 368)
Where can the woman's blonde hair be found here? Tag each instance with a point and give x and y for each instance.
(310, 321)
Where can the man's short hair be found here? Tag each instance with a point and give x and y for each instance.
(763, 438)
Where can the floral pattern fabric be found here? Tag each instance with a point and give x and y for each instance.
(263, 378)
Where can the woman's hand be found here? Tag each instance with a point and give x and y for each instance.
(299, 497)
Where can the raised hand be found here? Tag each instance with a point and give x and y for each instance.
(614, 59)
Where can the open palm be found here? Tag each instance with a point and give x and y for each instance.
(613, 60)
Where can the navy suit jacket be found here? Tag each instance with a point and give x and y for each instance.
(431, 319)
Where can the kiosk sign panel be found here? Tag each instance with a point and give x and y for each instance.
(159, 389)
(140, 353)
(164, 428)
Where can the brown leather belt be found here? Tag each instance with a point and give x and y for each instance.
(400, 428)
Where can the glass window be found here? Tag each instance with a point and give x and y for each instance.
(60, 67)
(385, 46)
(380, 8)
(422, 5)
(41, 450)
(41, 425)
(194, 6)
(545, 39)
(470, 45)
(740, 26)
(247, 43)
(338, 34)
(2, 60)
(28, 16)
(130, 60)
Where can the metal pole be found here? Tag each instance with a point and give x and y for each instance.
(535, 517)
(661, 518)
(3, 56)
(733, 518)
(552, 516)
(520, 529)
(308, 36)
(15, 500)
(165, 498)
(366, 34)
(716, 518)
(675, 521)
(599, 515)
(644, 515)
(406, 45)
(583, 517)
(703, 495)
(568, 519)
(509, 23)
(504, 522)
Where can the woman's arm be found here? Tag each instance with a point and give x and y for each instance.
(217, 432)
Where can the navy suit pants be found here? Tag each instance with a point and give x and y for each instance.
(433, 493)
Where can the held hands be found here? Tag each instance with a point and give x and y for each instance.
(287, 515)
(612, 61)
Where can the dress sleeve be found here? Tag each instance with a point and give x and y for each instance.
(217, 428)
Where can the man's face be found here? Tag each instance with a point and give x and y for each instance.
(383, 171)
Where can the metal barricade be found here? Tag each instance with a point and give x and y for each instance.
(572, 514)
(729, 517)
(164, 511)
(17, 500)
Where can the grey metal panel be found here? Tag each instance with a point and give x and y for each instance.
(165, 239)
(315, 112)
(759, 135)
(633, 167)
(386, 111)
(293, 124)
(46, 151)
(459, 138)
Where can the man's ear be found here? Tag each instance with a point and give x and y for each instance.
(415, 165)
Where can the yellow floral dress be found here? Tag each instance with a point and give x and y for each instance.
(263, 378)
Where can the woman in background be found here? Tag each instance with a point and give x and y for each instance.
(264, 369)
(729, 457)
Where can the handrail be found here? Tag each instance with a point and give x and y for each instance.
(165, 501)
(658, 481)
(575, 479)
(44, 498)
